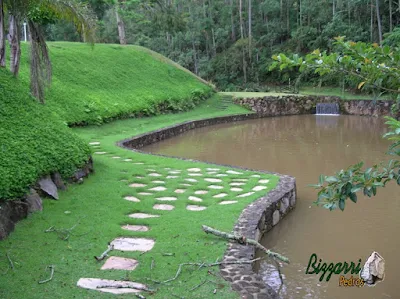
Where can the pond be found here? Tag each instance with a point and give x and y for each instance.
(305, 147)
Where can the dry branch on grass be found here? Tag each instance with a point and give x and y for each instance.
(244, 241)
(51, 267)
(105, 253)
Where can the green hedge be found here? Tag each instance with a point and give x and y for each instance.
(33, 140)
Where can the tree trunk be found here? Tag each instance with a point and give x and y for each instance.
(2, 37)
(233, 34)
(250, 16)
(121, 27)
(241, 19)
(15, 46)
(288, 17)
(333, 9)
(378, 18)
(390, 16)
(372, 22)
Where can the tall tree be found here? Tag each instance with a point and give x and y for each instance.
(378, 19)
(2, 36)
(120, 23)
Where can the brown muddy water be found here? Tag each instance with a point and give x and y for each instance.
(304, 147)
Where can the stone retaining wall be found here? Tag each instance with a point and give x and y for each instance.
(13, 211)
(298, 104)
(256, 219)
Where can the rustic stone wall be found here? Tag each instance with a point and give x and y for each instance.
(13, 211)
(298, 104)
(258, 218)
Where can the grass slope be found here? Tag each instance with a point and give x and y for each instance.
(99, 209)
(91, 85)
(33, 141)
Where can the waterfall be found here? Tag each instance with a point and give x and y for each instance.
(327, 109)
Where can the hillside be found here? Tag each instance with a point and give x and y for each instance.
(33, 140)
(95, 84)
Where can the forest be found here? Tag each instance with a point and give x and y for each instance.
(230, 42)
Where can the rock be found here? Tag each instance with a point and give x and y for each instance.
(275, 217)
(47, 185)
(10, 213)
(58, 181)
(34, 201)
(374, 269)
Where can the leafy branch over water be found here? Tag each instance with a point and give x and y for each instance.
(335, 190)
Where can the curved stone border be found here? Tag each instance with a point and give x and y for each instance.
(256, 219)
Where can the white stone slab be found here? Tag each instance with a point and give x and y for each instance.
(143, 215)
(220, 195)
(233, 172)
(211, 180)
(132, 198)
(170, 198)
(159, 188)
(259, 188)
(94, 143)
(137, 185)
(135, 228)
(133, 244)
(200, 192)
(100, 153)
(191, 180)
(215, 187)
(228, 202)
(236, 189)
(246, 194)
(155, 174)
(96, 284)
(180, 191)
(195, 208)
(163, 207)
(172, 177)
(194, 169)
(194, 198)
(263, 181)
(120, 263)
(237, 184)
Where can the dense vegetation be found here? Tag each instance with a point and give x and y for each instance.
(92, 85)
(230, 42)
(34, 141)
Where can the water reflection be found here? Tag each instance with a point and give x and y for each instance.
(306, 146)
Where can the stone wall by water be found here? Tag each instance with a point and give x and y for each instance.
(298, 104)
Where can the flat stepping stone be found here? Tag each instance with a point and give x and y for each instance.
(191, 180)
(106, 285)
(159, 188)
(215, 187)
(228, 202)
(212, 172)
(256, 176)
(233, 172)
(94, 143)
(120, 263)
(263, 181)
(180, 191)
(100, 153)
(213, 169)
(127, 160)
(137, 185)
(140, 177)
(124, 180)
(138, 163)
(195, 208)
(213, 180)
(201, 192)
(236, 189)
(163, 207)
(170, 198)
(143, 215)
(194, 198)
(155, 174)
(116, 157)
(152, 170)
(135, 228)
(133, 244)
(194, 169)
(221, 174)
(246, 194)
(186, 185)
(240, 180)
(132, 198)
(259, 188)
(158, 182)
(237, 184)
(172, 177)
(145, 193)
(220, 195)
(175, 171)
(194, 174)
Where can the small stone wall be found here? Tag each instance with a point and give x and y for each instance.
(13, 211)
(298, 104)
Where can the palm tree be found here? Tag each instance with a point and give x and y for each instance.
(33, 11)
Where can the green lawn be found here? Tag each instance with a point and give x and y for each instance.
(98, 209)
(93, 85)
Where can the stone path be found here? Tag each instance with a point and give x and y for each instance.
(216, 187)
